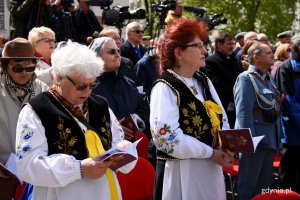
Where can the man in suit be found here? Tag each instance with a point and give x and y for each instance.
(132, 48)
(257, 103)
(223, 68)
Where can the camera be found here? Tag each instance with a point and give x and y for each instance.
(117, 15)
(213, 20)
(162, 7)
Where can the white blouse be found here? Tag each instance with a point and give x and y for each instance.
(58, 176)
(194, 176)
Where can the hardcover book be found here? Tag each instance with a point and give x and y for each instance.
(130, 123)
(120, 157)
(239, 140)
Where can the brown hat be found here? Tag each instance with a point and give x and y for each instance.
(18, 48)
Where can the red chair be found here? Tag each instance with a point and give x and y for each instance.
(139, 183)
(143, 146)
(279, 194)
(231, 174)
(276, 164)
(276, 161)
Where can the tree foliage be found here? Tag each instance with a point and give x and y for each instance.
(263, 16)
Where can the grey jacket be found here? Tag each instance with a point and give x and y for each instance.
(248, 103)
(10, 108)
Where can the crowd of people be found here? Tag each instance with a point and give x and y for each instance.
(64, 102)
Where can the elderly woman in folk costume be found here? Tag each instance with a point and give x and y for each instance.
(185, 115)
(81, 126)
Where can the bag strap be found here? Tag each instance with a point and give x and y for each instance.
(258, 94)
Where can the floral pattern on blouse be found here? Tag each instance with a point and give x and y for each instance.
(24, 145)
(193, 121)
(164, 138)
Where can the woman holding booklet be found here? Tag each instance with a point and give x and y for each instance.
(185, 116)
(61, 131)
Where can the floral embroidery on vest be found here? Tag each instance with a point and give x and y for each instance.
(106, 130)
(193, 121)
(64, 142)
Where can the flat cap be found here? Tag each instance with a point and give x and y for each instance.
(284, 34)
(240, 35)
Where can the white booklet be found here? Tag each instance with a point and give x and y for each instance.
(120, 157)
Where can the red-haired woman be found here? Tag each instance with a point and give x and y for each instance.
(185, 115)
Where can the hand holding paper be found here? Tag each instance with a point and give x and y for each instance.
(119, 157)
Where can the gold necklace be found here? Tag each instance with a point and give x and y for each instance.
(191, 88)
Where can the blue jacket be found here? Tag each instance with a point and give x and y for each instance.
(123, 97)
(246, 102)
(288, 80)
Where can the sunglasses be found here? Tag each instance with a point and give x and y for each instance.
(113, 51)
(48, 40)
(138, 31)
(199, 45)
(84, 86)
(19, 68)
(289, 50)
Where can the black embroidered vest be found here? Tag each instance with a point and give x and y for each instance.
(62, 131)
(193, 117)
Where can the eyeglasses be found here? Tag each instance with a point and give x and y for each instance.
(113, 51)
(48, 40)
(84, 86)
(199, 45)
(138, 31)
(19, 68)
(289, 50)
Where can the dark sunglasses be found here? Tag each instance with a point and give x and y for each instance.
(48, 40)
(113, 51)
(289, 50)
(84, 86)
(138, 31)
(20, 68)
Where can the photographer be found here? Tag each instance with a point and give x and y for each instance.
(174, 14)
(86, 23)
(24, 15)
(63, 19)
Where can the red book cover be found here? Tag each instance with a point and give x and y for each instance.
(239, 140)
(129, 123)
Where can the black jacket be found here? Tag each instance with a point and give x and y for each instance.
(86, 25)
(223, 72)
(128, 51)
(123, 97)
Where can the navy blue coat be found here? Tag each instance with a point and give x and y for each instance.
(123, 97)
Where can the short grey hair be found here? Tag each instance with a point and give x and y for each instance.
(295, 43)
(255, 49)
(76, 60)
(132, 26)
